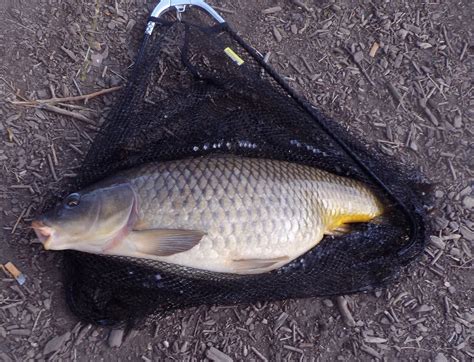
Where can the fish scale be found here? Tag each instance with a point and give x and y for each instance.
(248, 208)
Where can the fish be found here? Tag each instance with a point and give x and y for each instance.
(223, 213)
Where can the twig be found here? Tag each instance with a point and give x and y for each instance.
(4, 307)
(18, 220)
(446, 39)
(428, 112)
(394, 92)
(451, 168)
(67, 99)
(359, 65)
(36, 320)
(77, 86)
(65, 112)
(371, 351)
(463, 51)
(12, 88)
(259, 355)
(23, 26)
(51, 167)
(345, 312)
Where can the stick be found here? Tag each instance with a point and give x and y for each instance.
(463, 51)
(65, 112)
(67, 99)
(345, 312)
(18, 221)
(51, 167)
(446, 39)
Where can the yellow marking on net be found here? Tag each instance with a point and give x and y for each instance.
(233, 55)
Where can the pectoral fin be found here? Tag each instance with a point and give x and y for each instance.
(164, 242)
(255, 266)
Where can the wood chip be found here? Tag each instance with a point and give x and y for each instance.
(69, 53)
(293, 349)
(277, 34)
(56, 343)
(377, 340)
(437, 242)
(373, 49)
(20, 332)
(371, 351)
(423, 309)
(394, 92)
(281, 320)
(428, 112)
(271, 10)
(215, 355)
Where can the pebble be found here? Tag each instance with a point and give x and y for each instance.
(440, 358)
(358, 56)
(294, 29)
(455, 252)
(458, 121)
(439, 194)
(56, 343)
(115, 338)
(402, 33)
(468, 202)
(328, 303)
(468, 316)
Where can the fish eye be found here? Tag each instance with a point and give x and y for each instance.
(73, 200)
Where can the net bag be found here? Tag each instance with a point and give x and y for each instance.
(197, 88)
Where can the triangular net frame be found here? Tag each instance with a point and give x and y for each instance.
(189, 96)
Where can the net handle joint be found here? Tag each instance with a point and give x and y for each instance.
(180, 6)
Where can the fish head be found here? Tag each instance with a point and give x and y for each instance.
(88, 220)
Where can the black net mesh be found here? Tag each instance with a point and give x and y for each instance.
(186, 98)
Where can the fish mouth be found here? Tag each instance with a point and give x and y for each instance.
(43, 232)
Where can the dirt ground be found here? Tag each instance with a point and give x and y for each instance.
(411, 97)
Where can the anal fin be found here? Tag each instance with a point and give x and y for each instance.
(340, 230)
(164, 242)
(256, 266)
